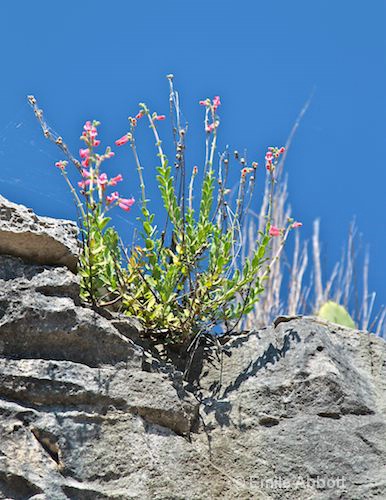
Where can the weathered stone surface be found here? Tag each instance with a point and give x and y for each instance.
(292, 411)
(37, 239)
(304, 400)
(39, 319)
(67, 376)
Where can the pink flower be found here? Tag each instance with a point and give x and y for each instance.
(102, 180)
(281, 150)
(274, 231)
(210, 128)
(83, 184)
(297, 224)
(86, 162)
(204, 103)
(113, 197)
(269, 156)
(85, 173)
(96, 142)
(139, 115)
(90, 129)
(125, 203)
(84, 153)
(216, 102)
(61, 164)
(159, 117)
(123, 140)
(114, 180)
(110, 154)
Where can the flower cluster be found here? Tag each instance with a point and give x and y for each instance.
(246, 170)
(92, 177)
(213, 104)
(62, 164)
(279, 231)
(124, 203)
(272, 156)
(211, 107)
(128, 137)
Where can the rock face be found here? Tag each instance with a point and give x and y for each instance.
(292, 411)
(41, 240)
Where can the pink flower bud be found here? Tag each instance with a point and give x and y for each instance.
(84, 153)
(114, 180)
(113, 197)
(216, 102)
(123, 140)
(274, 231)
(296, 224)
(159, 117)
(245, 171)
(85, 173)
(83, 184)
(195, 170)
(126, 203)
(62, 164)
(102, 180)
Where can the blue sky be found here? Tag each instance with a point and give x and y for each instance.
(94, 59)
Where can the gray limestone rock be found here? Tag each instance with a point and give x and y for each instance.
(37, 239)
(296, 410)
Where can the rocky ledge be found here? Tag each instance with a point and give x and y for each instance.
(296, 410)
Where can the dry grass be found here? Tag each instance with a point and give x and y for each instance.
(308, 287)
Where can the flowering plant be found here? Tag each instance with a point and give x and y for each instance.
(190, 277)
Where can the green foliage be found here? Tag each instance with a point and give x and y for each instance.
(183, 288)
(191, 276)
(336, 313)
(99, 261)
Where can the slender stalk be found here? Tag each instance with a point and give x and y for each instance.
(139, 170)
(79, 204)
(190, 198)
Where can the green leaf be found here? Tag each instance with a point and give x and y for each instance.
(331, 311)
